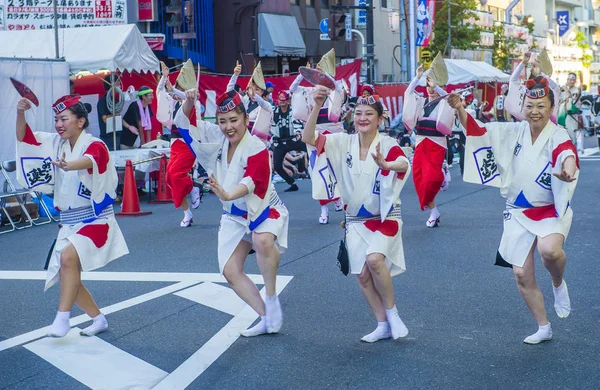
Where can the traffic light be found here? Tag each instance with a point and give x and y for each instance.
(336, 25)
(174, 17)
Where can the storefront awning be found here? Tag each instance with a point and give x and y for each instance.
(279, 35)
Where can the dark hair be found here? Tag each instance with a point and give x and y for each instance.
(81, 110)
(377, 107)
(538, 85)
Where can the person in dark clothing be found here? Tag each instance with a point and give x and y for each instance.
(283, 128)
(136, 121)
(104, 114)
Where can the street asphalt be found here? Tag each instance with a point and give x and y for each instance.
(465, 317)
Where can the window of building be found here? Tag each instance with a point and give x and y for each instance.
(324, 4)
(384, 3)
(295, 2)
(310, 3)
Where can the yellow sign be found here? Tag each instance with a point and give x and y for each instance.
(426, 58)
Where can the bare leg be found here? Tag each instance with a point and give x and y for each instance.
(70, 277)
(239, 281)
(553, 256)
(382, 279)
(365, 281)
(184, 204)
(86, 302)
(525, 277)
(267, 256)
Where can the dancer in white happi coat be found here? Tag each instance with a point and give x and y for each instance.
(432, 125)
(535, 165)
(79, 169)
(259, 111)
(371, 170)
(514, 100)
(254, 217)
(329, 121)
(569, 109)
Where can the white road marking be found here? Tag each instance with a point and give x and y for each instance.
(36, 334)
(96, 363)
(130, 276)
(215, 296)
(196, 364)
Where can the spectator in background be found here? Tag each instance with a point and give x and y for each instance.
(136, 121)
(270, 87)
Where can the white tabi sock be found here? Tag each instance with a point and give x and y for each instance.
(274, 315)
(562, 302)
(256, 330)
(380, 333)
(324, 211)
(99, 325)
(61, 326)
(544, 333)
(435, 214)
(187, 214)
(397, 327)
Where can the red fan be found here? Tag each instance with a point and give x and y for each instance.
(316, 77)
(25, 92)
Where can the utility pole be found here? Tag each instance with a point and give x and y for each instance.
(370, 43)
(403, 43)
(412, 39)
(55, 6)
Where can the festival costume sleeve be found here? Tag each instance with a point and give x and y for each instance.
(102, 178)
(325, 160)
(556, 90)
(296, 83)
(231, 83)
(561, 190)
(334, 109)
(263, 120)
(391, 182)
(206, 147)
(445, 118)
(257, 178)
(489, 151)
(413, 105)
(514, 99)
(34, 160)
(164, 105)
(302, 103)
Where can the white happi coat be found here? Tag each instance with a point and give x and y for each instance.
(371, 197)
(260, 210)
(329, 121)
(84, 197)
(537, 203)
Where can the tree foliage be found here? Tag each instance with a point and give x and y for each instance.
(581, 42)
(462, 35)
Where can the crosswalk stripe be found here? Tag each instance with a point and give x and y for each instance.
(215, 296)
(96, 363)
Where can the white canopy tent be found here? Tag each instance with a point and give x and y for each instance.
(465, 71)
(120, 47)
(27, 55)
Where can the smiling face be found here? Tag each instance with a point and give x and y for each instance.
(234, 125)
(67, 125)
(537, 111)
(366, 118)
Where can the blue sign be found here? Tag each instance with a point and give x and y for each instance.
(562, 20)
(324, 26)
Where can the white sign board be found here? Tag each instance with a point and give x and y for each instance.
(348, 27)
(324, 37)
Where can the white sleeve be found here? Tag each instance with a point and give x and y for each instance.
(263, 103)
(231, 83)
(296, 83)
(513, 103)
(413, 105)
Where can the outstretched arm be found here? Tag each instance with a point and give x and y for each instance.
(319, 95)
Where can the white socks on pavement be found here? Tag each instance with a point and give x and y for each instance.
(380, 333)
(274, 315)
(339, 205)
(544, 333)
(562, 302)
(188, 218)
(434, 218)
(324, 218)
(61, 326)
(99, 325)
(256, 330)
(397, 327)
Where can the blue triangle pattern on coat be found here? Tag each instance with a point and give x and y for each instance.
(522, 201)
(363, 212)
(237, 211)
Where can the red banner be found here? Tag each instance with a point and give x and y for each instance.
(146, 11)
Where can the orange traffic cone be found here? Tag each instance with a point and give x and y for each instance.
(163, 195)
(131, 203)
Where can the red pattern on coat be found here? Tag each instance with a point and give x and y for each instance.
(99, 152)
(567, 145)
(427, 170)
(274, 214)
(473, 128)
(394, 153)
(388, 227)
(259, 170)
(29, 137)
(178, 179)
(540, 213)
(98, 233)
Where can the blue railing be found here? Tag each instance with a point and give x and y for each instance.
(200, 50)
